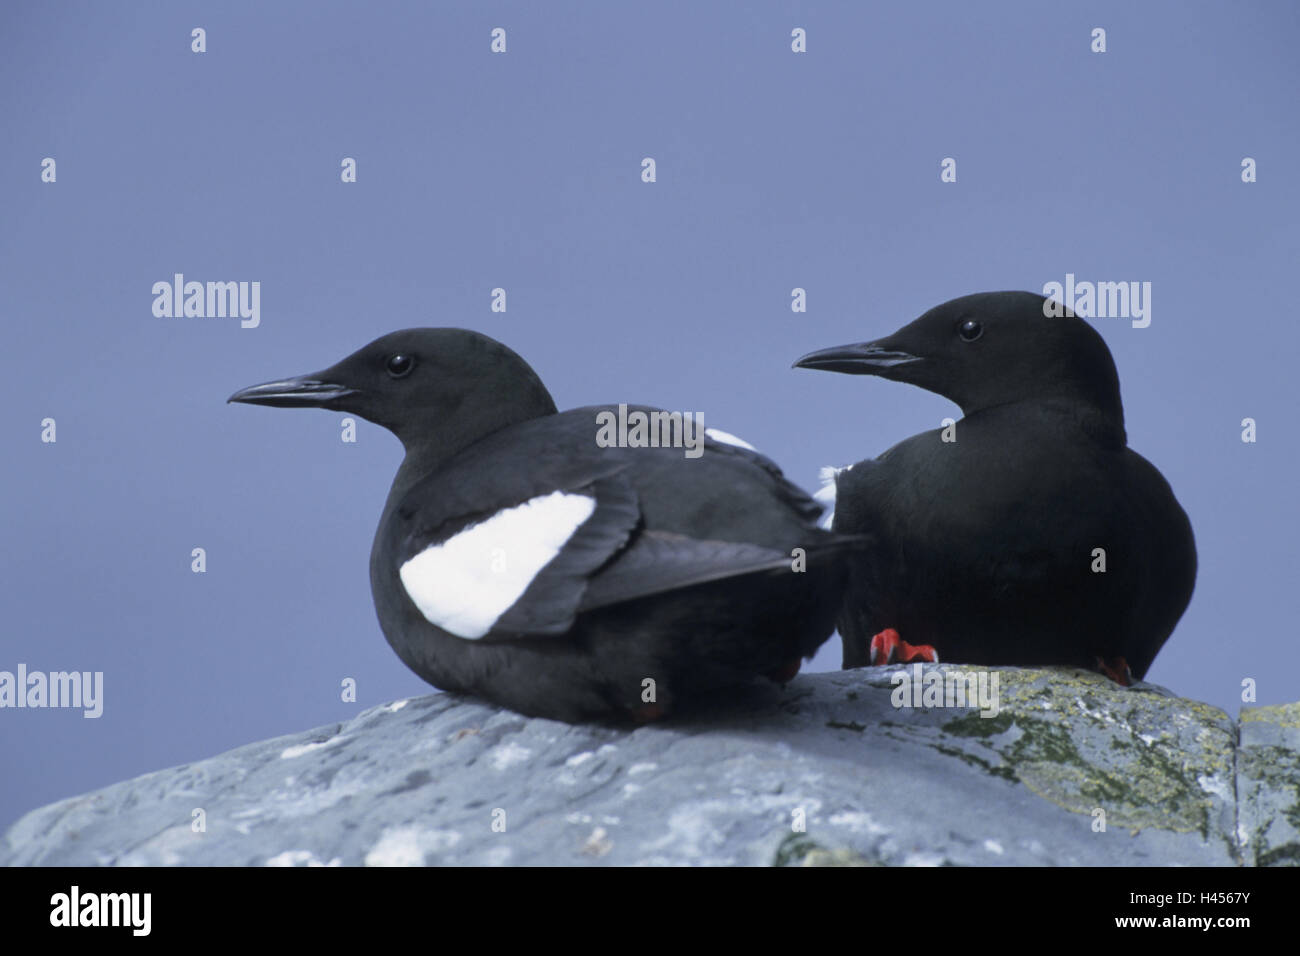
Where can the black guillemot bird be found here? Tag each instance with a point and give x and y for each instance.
(521, 560)
(1026, 533)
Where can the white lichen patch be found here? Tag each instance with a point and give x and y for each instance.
(598, 844)
(300, 858)
(299, 749)
(1102, 714)
(858, 822)
(509, 754)
(409, 845)
(1215, 787)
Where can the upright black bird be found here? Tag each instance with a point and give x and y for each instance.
(519, 560)
(1034, 535)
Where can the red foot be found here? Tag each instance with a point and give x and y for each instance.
(785, 673)
(1116, 669)
(648, 713)
(888, 648)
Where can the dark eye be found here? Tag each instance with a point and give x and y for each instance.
(399, 365)
(970, 330)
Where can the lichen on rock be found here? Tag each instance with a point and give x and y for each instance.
(1070, 769)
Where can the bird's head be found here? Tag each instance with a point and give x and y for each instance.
(445, 385)
(988, 349)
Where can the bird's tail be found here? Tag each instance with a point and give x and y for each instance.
(825, 495)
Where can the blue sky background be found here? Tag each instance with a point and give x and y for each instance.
(522, 170)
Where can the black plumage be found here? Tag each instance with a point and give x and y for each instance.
(682, 573)
(988, 545)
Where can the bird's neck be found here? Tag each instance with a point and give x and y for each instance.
(431, 443)
(420, 460)
(1102, 425)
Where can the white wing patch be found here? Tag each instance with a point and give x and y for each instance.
(825, 495)
(726, 438)
(464, 584)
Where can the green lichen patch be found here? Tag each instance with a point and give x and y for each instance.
(1268, 788)
(840, 857)
(994, 770)
(846, 725)
(798, 849)
(1082, 742)
(794, 848)
(1282, 715)
(973, 725)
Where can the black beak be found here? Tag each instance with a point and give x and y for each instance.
(306, 391)
(865, 358)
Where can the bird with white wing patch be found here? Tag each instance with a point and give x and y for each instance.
(519, 559)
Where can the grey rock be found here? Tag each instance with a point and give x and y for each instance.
(1268, 785)
(450, 781)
